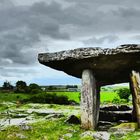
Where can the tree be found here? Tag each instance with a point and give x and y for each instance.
(21, 87)
(123, 93)
(7, 86)
(34, 88)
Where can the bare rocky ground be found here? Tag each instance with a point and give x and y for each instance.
(32, 113)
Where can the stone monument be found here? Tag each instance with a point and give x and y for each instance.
(99, 67)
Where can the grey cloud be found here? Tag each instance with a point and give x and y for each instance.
(126, 12)
(22, 27)
(101, 40)
(16, 72)
(135, 37)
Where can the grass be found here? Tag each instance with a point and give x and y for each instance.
(106, 96)
(52, 129)
(75, 96)
(130, 136)
(13, 97)
(44, 130)
(55, 129)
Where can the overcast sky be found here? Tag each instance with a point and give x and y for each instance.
(28, 27)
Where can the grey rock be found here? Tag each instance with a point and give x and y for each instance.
(124, 127)
(24, 126)
(123, 121)
(87, 134)
(115, 116)
(115, 108)
(68, 135)
(72, 119)
(54, 116)
(102, 135)
(105, 125)
(21, 136)
(19, 115)
(31, 117)
(109, 65)
(119, 134)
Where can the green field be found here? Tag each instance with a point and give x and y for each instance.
(105, 96)
(13, 97)
(53, 128)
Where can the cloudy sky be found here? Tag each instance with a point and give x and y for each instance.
(28, 27)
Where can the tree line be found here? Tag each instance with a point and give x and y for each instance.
(21, 87)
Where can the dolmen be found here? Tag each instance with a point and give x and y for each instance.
(99, 67)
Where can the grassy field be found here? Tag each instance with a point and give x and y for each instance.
(106, 96)
(71, 95)
(53, 128)
(45, 130)
(13, 97)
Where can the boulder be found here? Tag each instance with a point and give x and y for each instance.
(124, 127)
(72, 119)
(115, 108)
(115, 116)
(105, 125)
(110, 66)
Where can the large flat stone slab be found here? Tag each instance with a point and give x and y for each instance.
(109, 65)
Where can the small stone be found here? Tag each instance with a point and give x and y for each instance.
(119, 134)
(19, 115)
(73, 120)
(87, 134)
(54, 116)
(105, 123)
(25, 127)
(29, 118)
(68, 135)
(21, 136)
(102, 135)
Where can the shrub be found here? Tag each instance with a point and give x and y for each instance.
(123, 93)
(50, 98)
(21, 87)
(116, 100)
(34, 88)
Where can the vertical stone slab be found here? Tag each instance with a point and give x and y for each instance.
(88, 101)
(134, 117)
(135, 85)
(98, 103)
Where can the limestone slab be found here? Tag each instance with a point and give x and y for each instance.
(108, 65)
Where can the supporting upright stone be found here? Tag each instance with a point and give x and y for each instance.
(89, 107)
(98, 103)
(135, 86)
